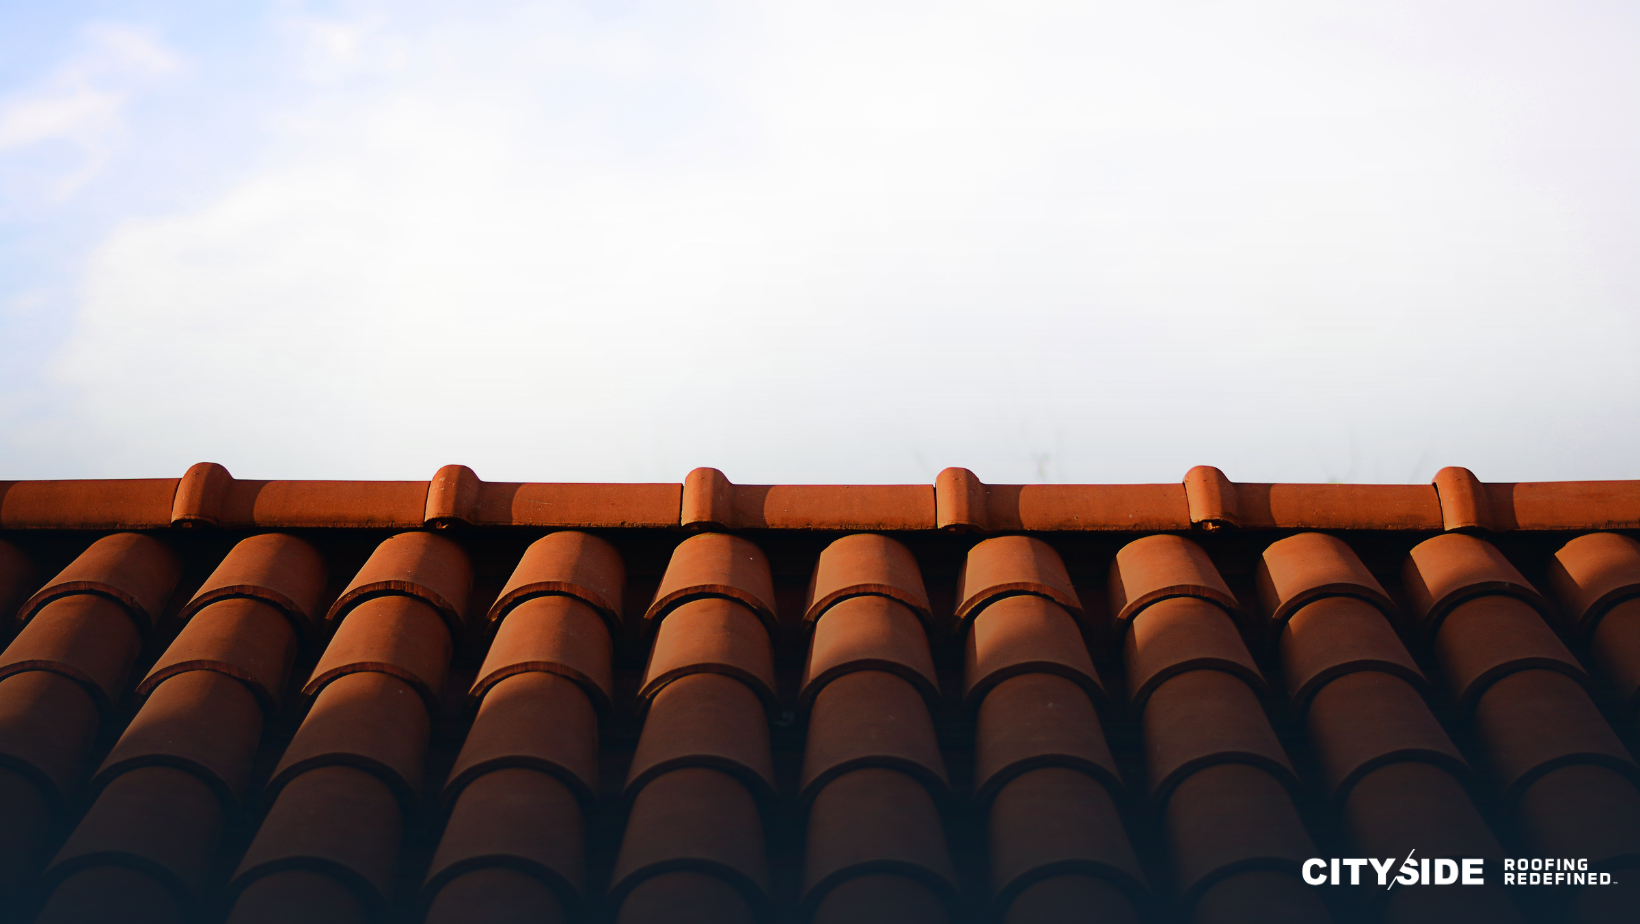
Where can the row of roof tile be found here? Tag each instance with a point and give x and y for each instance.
(873, 775)
(209, 496)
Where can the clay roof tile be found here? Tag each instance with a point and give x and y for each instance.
(1157, 567)
(1593, 573)
(1444, 571)
(1009, 565)
(572, 563)
(866, 563)
(716, 565)
(1306, 567)
(415, 564)
(281, 570)
(137, 571)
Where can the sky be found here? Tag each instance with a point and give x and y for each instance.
(828, 242)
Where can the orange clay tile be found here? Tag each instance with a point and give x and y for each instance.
(299, 894)
(1300, 569)
(1322, 506)
(711, 635)
(328, 504)
(962, 501)
(1055, 820)
(578, 506)
(1158, 567)
(716, 565)
(1487, 638)
(514, 818)
(1228, 817)
(161, 820)
(1202, 718)
(868, 633)
(241, 637)
(556, 634)
(135, 503)
(137, 571)
(870, 719)
(1009, 565)
(340, 821)
(694, 818)
(87, 638)
(201, 721)
(1334, 636)
(1593, 573)
(861, 564)
(495, 894)
(875, 820)
(209, 495)
(1180, 634)
(1442, 572)
(1334, 506)
(705, 720)
(537, 720)
(683, 896)
(1070, 898)
(1214, 502)
(1533, 721)
(369, 720)
(710, 500)
(418, 564)
(17, 578)
(881, 898)
(1026, 635)
(47, 726)
(199, 496)
(399, 636)
(1038, 720)
(452, 497)
(1465, 503)
(1366, 719)
(570, 563)
(1560, 505)
(280, 570)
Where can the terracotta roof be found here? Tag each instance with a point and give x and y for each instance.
(454, 700)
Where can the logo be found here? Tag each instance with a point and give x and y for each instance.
(1413, 871)
(1552, 871)
(1444, 871)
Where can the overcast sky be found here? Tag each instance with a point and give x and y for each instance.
(821, 242)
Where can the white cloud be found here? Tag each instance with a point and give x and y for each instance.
(833, 242)
(82, 101)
